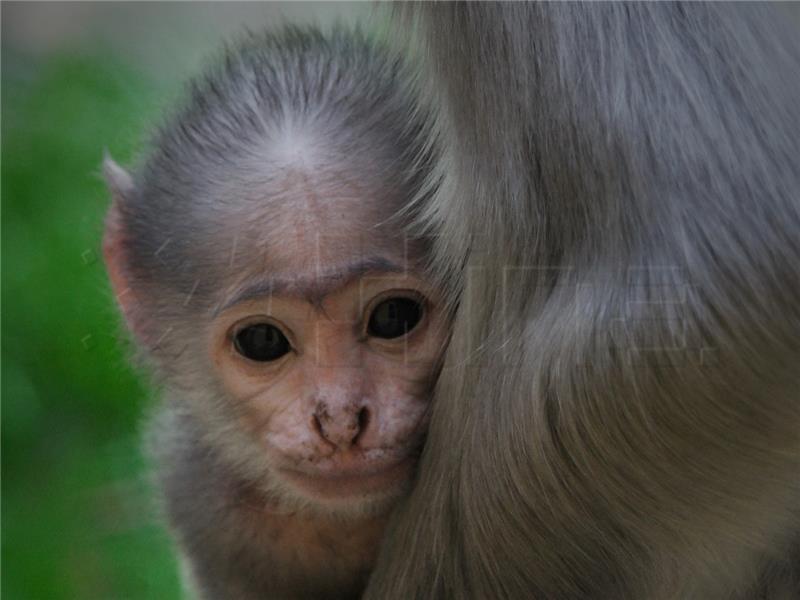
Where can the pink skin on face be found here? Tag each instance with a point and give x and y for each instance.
(341, 416)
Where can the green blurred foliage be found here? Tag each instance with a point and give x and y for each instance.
(78, 519)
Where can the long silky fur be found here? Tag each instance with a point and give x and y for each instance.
(619, 411)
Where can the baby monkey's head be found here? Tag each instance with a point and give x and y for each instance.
(262, 259)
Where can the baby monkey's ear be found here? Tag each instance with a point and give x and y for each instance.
(119, 181)
(121, 186)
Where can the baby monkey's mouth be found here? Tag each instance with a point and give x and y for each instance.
(354, 475)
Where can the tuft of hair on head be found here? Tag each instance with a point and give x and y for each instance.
(333, 102)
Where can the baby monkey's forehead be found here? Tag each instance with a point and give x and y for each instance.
(305, 233)
(314, 285)
(301, 248)
(317, 213)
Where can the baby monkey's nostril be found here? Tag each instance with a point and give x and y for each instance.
(317, 426)
(363, 421)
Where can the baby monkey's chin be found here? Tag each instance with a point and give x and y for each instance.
(351, 480)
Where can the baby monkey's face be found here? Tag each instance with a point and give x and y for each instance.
(329, 356)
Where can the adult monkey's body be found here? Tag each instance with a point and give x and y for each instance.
(624, 420)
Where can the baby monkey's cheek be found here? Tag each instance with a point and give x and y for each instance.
(400, 415)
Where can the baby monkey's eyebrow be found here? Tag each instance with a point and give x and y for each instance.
(312, 289)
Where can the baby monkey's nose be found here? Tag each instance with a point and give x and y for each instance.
(340, 426)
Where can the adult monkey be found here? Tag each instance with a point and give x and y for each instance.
(623, 421)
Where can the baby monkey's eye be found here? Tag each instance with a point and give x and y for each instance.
(261, 342)
(394, 317)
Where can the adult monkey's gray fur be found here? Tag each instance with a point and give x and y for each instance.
(623, 420)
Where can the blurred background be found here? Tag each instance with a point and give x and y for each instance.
(78, 519)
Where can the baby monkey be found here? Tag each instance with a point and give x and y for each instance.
(260, 261)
